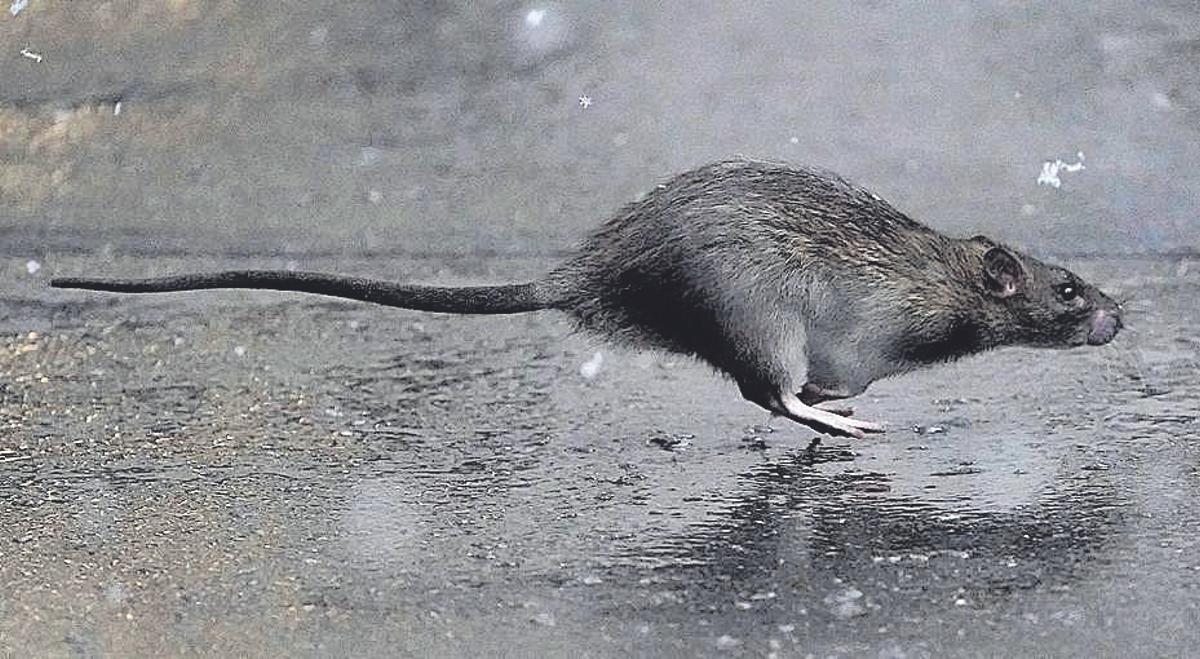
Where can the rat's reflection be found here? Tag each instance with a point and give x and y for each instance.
(809, 534)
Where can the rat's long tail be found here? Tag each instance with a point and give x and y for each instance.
(511, 298)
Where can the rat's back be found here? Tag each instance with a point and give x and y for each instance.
(734, 247)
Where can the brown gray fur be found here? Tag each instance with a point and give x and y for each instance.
(800, 286)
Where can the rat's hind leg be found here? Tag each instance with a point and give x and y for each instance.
(786, 404)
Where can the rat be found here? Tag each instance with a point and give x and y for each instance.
(799, 285)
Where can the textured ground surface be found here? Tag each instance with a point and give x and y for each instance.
(269, 474)
(259, 474)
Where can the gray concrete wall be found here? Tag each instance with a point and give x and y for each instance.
(376, 126)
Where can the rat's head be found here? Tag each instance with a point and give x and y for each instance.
(1045, 305)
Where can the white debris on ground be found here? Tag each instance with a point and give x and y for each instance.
(240, 351)
(727, 642)
(16, 6)
(29, 54)
(846, 604)
(591, 367)
(1051, 170)
(32, 266)
(585, 102)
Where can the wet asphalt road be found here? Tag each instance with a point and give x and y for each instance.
(259, 474)
(268, 474)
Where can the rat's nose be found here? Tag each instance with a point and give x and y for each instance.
(1104, 326)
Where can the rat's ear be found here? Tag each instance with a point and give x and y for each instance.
(983, 240)
(1002, 272)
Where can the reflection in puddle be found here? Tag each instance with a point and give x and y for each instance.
(383, 524)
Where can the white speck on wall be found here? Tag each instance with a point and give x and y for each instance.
(794, 140)
(16, 6)
(240, 351)
(32, 266)
(543, 30)
(1160, 100)
(117, 109)
(585, 102)
(368, 156)
(1051, 170)
(591, 368)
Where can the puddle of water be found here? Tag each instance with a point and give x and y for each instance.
(453, 475)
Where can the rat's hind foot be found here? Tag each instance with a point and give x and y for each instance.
(840, 411)
(787, 404)
(826, 421)
(823, 420)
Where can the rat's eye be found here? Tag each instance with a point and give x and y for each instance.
(1068, 292)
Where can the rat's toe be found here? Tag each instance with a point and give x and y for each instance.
(838, 427)
(867, 426)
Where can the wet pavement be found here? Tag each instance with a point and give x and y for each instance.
(259, 474)
(269, 474)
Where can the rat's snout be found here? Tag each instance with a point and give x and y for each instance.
(1104, 325)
